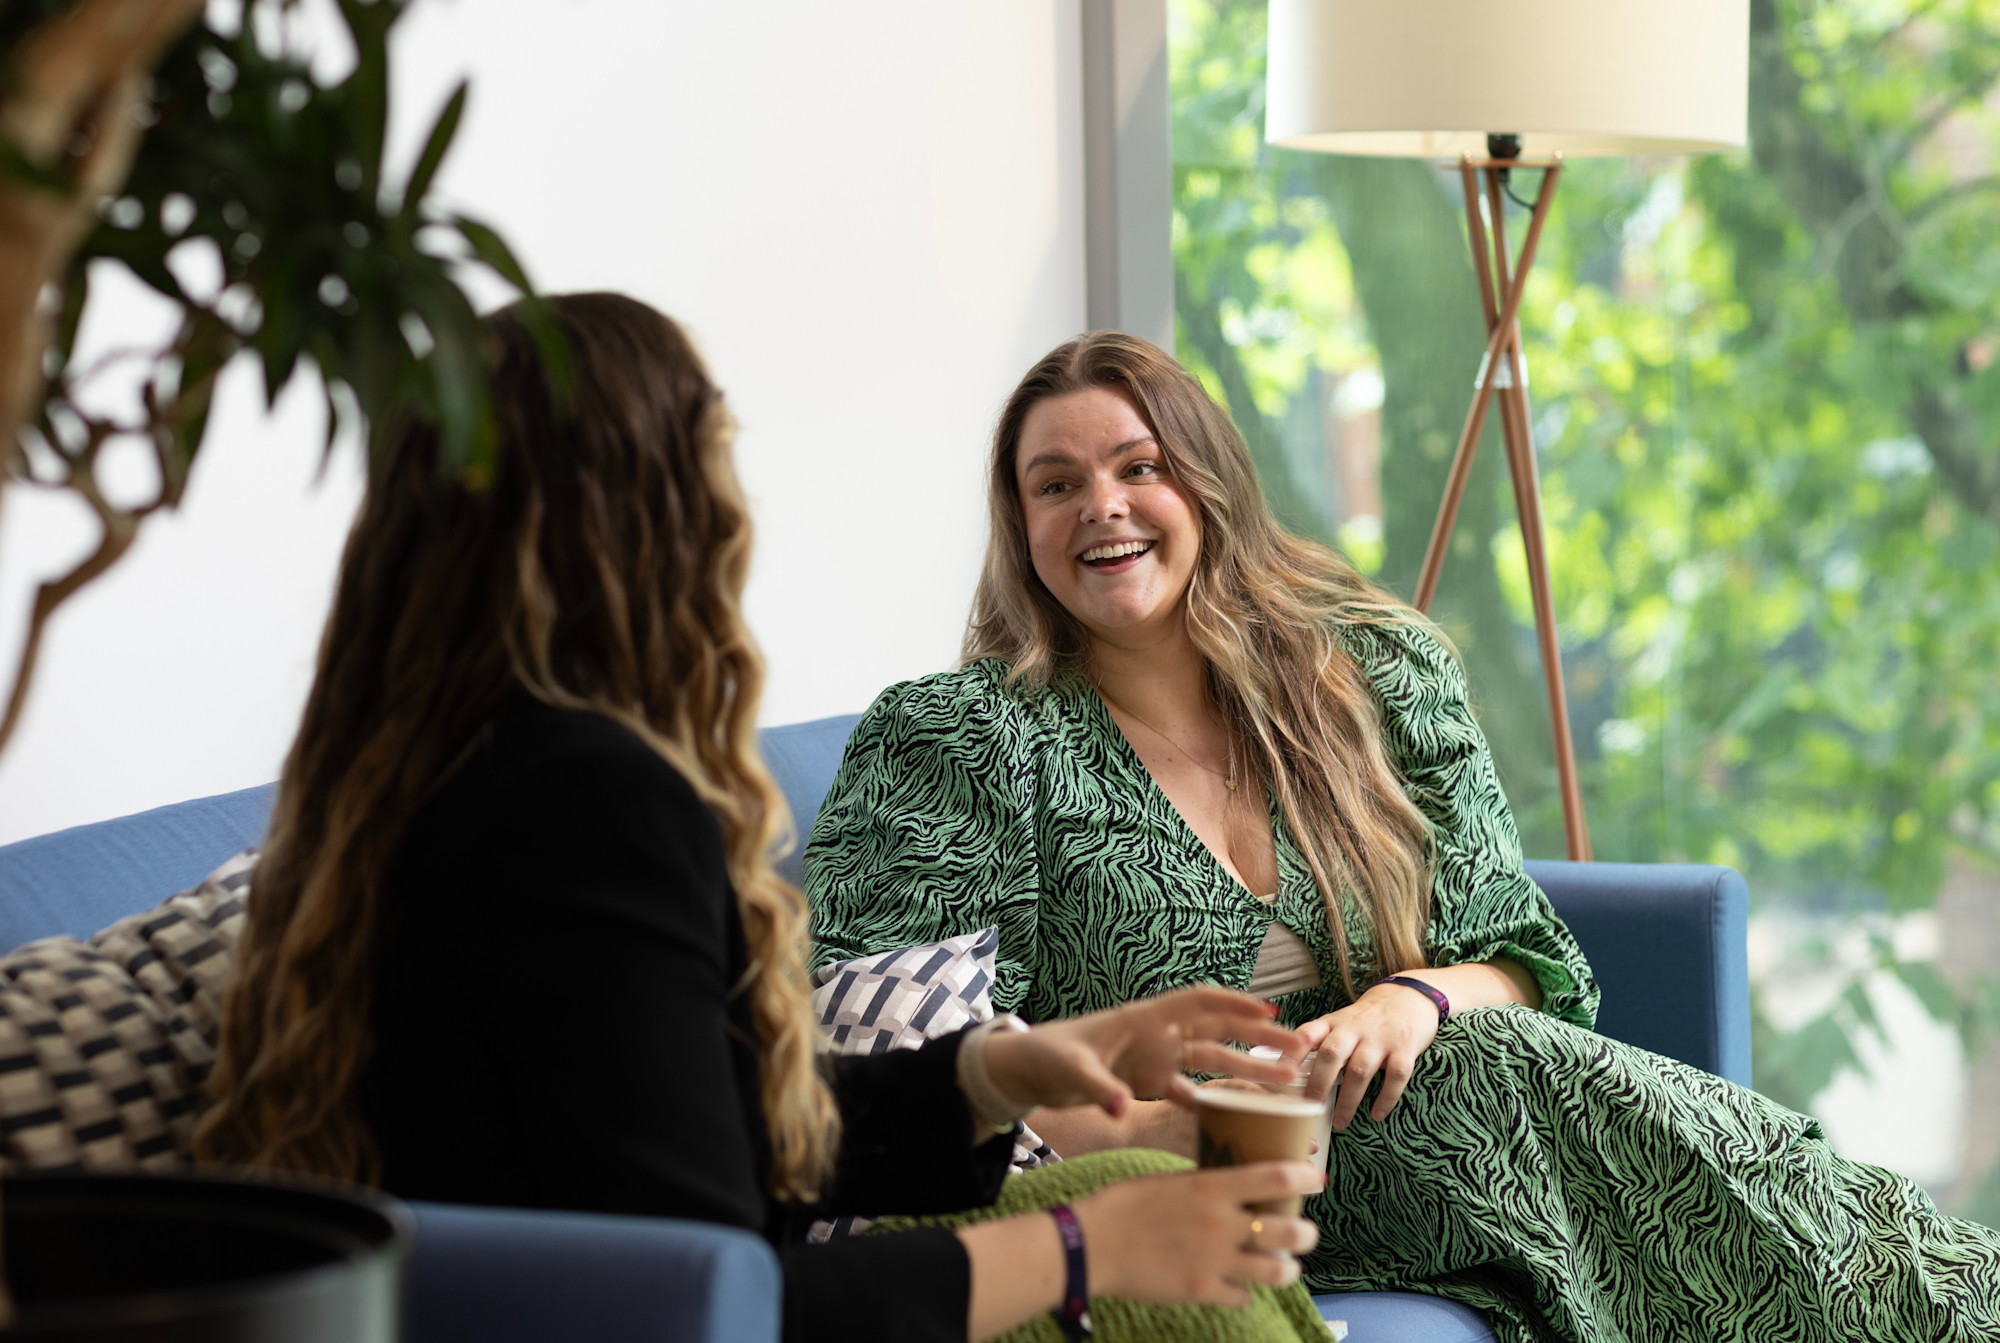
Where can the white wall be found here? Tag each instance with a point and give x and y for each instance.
(870, 216)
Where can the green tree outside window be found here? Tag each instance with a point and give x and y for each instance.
(1766, 389)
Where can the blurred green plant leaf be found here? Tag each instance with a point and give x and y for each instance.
(492, 249)
(281, 175)
(1931, 989)
(278, 178)
(435, 146)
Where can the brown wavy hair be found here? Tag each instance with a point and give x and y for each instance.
(1264, 609)
(599, 566)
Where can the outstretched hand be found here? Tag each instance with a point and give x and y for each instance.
(1140, 1049)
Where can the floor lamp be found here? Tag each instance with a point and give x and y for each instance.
(1502, 86)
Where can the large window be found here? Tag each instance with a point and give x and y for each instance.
(1767, 408)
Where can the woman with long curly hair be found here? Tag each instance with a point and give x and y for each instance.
(516, 937)
(1185, 747)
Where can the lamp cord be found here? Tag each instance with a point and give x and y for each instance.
(1507, 188)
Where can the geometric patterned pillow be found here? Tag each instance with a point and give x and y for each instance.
(105, 1043)
(898, 1000)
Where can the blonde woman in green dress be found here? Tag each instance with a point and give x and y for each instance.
(1184, 747)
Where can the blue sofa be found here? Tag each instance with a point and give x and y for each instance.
(1667, 943)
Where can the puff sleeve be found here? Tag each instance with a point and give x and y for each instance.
(1483, 902)
(927, 831)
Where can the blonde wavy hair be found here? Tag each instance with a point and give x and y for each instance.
(601, 568)
(1264, 608)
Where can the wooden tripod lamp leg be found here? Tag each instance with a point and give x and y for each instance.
(1498, 325)
(1475, 420)
(1517, 430)
(1502, 370)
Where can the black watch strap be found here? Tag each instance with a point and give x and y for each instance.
(1435, 994)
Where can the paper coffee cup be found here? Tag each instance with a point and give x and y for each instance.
(1323, 1127)
(1241, 1127)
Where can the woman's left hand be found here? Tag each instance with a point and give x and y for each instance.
(1383, 1031)
(1107, 1058)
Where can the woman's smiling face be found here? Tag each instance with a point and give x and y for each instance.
(1110, 532)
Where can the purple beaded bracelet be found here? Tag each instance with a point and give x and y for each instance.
(1435, 995)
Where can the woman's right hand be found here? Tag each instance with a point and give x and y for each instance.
(1188, 1237)
(1185, 1237)
(1106, 1058)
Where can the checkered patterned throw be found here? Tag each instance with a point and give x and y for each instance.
(104, 1043)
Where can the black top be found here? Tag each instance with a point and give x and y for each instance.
(555, 1027)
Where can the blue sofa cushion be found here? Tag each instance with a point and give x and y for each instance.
(803, 758)
(104, 1044)
(1404, 1317)
(79, 880)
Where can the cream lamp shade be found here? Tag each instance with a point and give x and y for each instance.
(1435, 77)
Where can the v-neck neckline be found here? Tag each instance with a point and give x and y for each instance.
(1107, 725)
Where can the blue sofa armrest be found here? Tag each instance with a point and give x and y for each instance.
(510, 1275)
(1668, 942)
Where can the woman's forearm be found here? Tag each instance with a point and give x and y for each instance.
(1494, 983)
(1017, 1272)
(1085, 1128)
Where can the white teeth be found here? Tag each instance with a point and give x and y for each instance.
(1117, 550)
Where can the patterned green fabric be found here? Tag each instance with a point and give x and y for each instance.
(961, 804)
(1273, 1316)
(1573, 1188)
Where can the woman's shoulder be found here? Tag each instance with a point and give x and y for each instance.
(1399, 649)
(968, 724)
(552, 815)
(565, 768)
(531, 735)
(976, 700)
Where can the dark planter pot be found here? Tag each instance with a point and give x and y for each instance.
(200, 1259)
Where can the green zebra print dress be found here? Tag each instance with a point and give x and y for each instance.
(1571, 1187)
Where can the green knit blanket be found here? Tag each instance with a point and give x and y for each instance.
(1273, 1315)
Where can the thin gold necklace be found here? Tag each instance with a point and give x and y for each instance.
(1229, 779)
